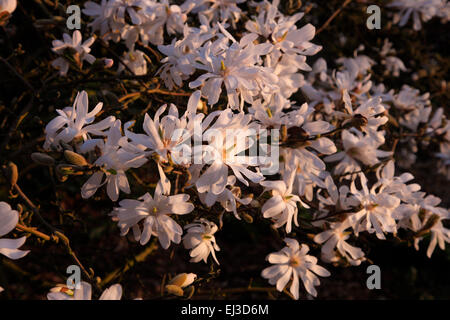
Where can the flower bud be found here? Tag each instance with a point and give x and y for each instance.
(13, 173)
(42, 158)
(175, 290)
(75, 158)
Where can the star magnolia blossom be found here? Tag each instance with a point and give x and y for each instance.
(282, 206)
(73, 46)
(227, 138)
(291, 263)
(75, 122)
(236, 67)
(8, 221)
(200, 240)
(117, 156)
(334, 241)
(84, 292)
(376, 213)
(154, 211)
(357, 146)
(168, 136)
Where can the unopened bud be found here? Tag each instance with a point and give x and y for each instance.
(13, 173)
(42, 158)
(175, 290)
(248, 218)
(75, 158)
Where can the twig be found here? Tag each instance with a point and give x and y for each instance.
(129, 264)
(35, 232)
(334, 15)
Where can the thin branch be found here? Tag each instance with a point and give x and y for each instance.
(334, 15)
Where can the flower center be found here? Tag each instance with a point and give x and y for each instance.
(294, 262)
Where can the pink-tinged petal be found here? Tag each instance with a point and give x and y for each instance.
(276, 258)
(8, 218)
(112, 293)
(84, 292)
(273, 207)
(284, 279)
(8, 247)
(91, 185)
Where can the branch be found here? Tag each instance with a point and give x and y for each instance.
(334, 15)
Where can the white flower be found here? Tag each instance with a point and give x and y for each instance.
(335, 199)
(334, 241)
(200, 240)
(217, 10)
(8, 221)
(135, 60)
(101, 13)
(228, 137)
(422, 216)
(8, 5)
(229, 198)
(357, 147)
(117, 156)
(75, 122)
(282, 206)
(154, 211)
(419, 9)
(236, 67)
(376, 213)
(83, 291)
(367, 117)
(180, 61)
(73, 46)
(293, 262)
(168, 136)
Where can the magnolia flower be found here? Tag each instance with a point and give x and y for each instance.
(8, 5)
(293, 262)
(168, 136)
(135, 60)
(180, 281)
(154, 211)
(229, 198)
(334, 241)
(419, 9)
(179, 62)
(229, 136)
(236, 67)
(117, 156)
(73, 46)
(200, 240)
(83, 291)
(335, 199)
(422, 216)
(367, 117)
(357, 147)
(101, 13)
(270, 114)
(75, 122)
(282, 206)
(299, 139)
(283, 33)
(8, 221)
(376, 213)
(216, 10)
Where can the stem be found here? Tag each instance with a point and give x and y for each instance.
(334, 15)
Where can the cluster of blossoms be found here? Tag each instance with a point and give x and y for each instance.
(420, 11)
(323, 148)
